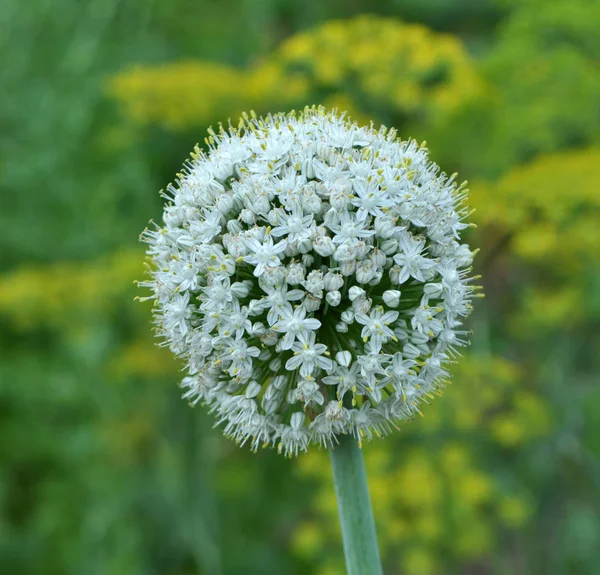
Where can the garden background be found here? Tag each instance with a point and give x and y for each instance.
(106, 471)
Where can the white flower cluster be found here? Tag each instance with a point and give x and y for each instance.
(310, 272)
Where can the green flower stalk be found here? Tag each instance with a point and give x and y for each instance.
(356, 517)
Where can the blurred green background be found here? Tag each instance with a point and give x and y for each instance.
(106, 471)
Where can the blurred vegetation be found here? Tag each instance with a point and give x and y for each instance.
(107, 471)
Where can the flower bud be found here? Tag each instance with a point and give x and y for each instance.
(258, 329)
(272, 407)
(240, 290)
(312, 204)
(331, 217)
(362, 249)
(377, 275)
(341, 327)
(433, 290)
(347, 316)
(362, 304)
(269, 338)
(345, 253)
(347, 268)
(305, 246)
(308, 260)
(391, 297)
(272, 392)
(463, 256)
(234, 227)
(275, 216)
(389, 247)
(247, 216)
(395, 272)
(365, 272)
(411, 351)
(333, 281)
(280, 382)
(355, 292)
(311, 303)
(297, 420)
(324, 246)
(314, 283)
(275, 364)
(384, 226)
(253, 389)
(333, 298)
(225, 203)
(273, 276)
(295, 274)
(343, 358)
(378, 258)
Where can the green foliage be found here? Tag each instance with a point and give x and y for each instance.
(105, 470)
(543, 88)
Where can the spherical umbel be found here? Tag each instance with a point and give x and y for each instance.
(311, 274)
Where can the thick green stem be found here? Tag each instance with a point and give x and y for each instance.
(354, 505)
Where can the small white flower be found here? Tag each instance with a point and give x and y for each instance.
(369, 198)
(293, 323)
(176, 312)
(377, 330)
(424, 320)
(276, 299)
(239, 355)
(273, 276)
(234, 321)
(371, 366)
(307, 391)
(349, 226)
(400, 369)
(410, 259)
(334, 412)
(295, 226)
(263, 254)
(308, 356)
(296, 437)
(346, 378)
